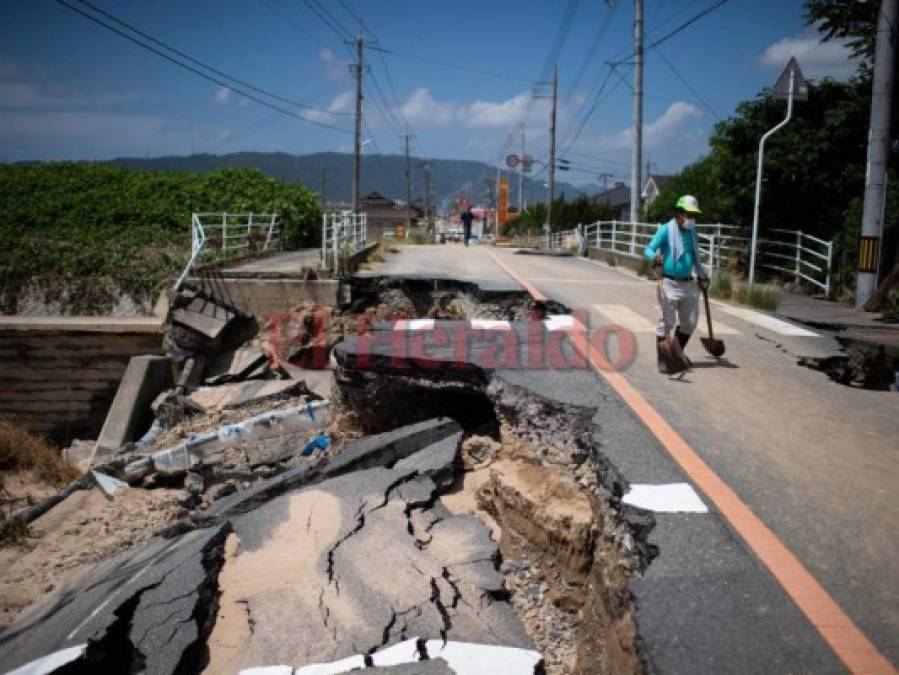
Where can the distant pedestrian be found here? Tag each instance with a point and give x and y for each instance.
(675, 248)
(467, 217)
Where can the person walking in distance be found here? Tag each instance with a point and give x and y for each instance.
(467, 217)
(675, 248)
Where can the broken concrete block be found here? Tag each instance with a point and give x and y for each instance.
(108, 485)
(235, 395)
(79, 454)
(435, 461)
(237, 364)
(317, 381)
(130, 415)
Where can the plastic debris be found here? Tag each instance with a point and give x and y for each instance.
(321, 443)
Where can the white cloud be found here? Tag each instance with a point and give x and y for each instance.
(665, 128)
(25, 95)
(335, 68)
(494, 114)
(339, 104)
(223, 95)
(420, 109)
(816, 59)
(326, 55)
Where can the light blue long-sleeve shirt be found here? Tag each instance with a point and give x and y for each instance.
(683, 266)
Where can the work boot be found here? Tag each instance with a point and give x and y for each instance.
(683, 339)
(663, 368)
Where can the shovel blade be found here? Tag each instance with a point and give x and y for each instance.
(713, 346)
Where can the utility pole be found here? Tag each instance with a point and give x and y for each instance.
(878, 156)
(427, 167)
(637, 159)
(357, 143)
(521, 174)
(408, 189)
(552, 149)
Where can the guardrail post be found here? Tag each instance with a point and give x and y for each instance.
(225, 234)
(798, 254)
(324, 241)
(614, 233)
(633, 238)
(827, 270)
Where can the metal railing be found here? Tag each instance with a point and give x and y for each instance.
(792, 252)
(216, 237)
(344, 233)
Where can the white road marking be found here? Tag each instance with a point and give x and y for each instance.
(49, 663)
(765, 321)
(490, 324)
(559, 322)
(666, 498)
(414, 324)
(625, 317)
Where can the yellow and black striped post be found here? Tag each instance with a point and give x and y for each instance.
(868, 254)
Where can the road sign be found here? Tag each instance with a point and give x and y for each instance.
(503, 203)
(800, 86)
(512, 161)
(527, 161)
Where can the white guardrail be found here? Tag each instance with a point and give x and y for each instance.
(344, 233)
(216, 237)
(793, 252)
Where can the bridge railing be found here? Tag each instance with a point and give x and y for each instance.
(344, 233)
(216, 237)
(787, 252)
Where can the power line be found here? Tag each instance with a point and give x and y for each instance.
(591, 52)
(187, 57)
(196, 71)
(342, 33)
(671, 34)
(687, 84)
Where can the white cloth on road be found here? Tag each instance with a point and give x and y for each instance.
(680, 306)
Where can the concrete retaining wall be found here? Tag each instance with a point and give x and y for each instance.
(632, 262)
(58, 376)
(269, 297)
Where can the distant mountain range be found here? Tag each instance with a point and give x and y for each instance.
(332, 172)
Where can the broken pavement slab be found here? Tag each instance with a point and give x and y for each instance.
(238, 364)
(225, 396)
(141, 610)
(330, 578)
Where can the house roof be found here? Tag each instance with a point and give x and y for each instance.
(620, 195)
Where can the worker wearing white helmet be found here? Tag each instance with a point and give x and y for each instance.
(675, 248)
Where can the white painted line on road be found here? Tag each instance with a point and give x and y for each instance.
(624, 316)
(490, 324)
(276, 670)
(559, 322)
(49, 663)
(414, 324)
(667, 498)
(343, 666)
(468, 658)
(765, 321)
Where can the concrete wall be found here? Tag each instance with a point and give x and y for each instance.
(58, 376)
(632, 262)
(269, 297)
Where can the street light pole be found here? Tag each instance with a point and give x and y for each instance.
(758, 179)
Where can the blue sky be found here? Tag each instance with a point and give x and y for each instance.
(70, 89)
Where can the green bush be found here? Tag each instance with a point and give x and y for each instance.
(760, 297)
(83, 233)
(722, 285)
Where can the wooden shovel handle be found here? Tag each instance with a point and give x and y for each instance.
(708, 313)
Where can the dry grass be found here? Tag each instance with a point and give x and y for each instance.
(23, 451)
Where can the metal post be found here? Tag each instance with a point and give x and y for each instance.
(225, 234)
(878, 155)
(614, 233)
(521, 174)
(827, 271)
(758, 181)
(552, 150)
(324, 241)
(798, 254)
(357, 143)
(633, 238)
(408, 188)
(637, 158)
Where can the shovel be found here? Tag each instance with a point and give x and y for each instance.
(669, 349)
(712, 346)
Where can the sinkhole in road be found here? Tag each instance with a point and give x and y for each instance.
(530, 467)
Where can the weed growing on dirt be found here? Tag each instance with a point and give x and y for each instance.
(24, 451)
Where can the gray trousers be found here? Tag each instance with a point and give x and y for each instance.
(680, 306)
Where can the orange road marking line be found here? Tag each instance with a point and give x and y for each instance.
(849, 643)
